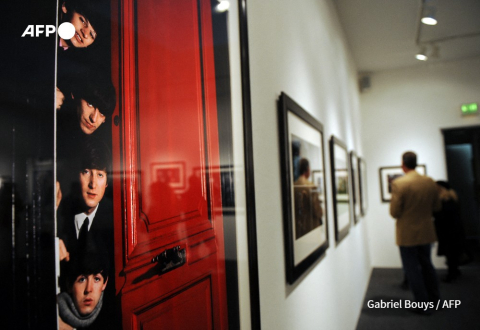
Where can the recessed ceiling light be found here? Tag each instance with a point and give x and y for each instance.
(428, 16)
(422, 55)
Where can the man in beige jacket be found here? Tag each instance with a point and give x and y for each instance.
(414, 199)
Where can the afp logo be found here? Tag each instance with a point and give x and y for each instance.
(65, 30)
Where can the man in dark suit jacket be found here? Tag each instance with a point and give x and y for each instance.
(86, 209)
(414, 199)
(100, 225)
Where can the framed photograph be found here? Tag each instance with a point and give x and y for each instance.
(355, 186)
(340, 166)
(172, 174)
(390, 173)
(362, 171)
(303, 183)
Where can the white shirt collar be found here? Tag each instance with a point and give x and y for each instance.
(80, 218)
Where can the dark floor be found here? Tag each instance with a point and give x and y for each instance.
(385, 286)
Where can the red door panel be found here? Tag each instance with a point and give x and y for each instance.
(170, 100)
(169, 314)
(166, 195)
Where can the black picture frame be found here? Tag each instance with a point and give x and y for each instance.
(341, 187)
(388, 174)
(362, 171)
(250, 211)
(304, 201)
(356, 198)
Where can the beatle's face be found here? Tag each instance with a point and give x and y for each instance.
(86, 292)
(85, 34)
(93, 183)
(90, 118)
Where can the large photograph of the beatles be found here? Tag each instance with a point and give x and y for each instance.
(85, 101)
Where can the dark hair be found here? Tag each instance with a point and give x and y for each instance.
(303, 166)
(86, 264)
(444, 184)
(89, 259)
(95, 87)
(95, 154)
(409, 159)
(90, 9)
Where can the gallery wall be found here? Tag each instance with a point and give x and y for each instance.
(298, 47)
(404, 110)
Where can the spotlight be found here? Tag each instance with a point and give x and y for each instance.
(422, 55)
(428, 16)
(223, 5)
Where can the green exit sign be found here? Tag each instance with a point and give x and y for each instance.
(470, 108)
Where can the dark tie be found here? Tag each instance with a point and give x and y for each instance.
(82, 235)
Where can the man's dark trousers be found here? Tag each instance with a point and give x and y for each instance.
(420, 272)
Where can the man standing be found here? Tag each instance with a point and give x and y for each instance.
(414, 199)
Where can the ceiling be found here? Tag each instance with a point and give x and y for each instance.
(386, 34)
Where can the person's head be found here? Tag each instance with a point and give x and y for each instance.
(409, 161)
(94, 97)
(304, 167)
(93, 175)
(87, 277)
(83, 15)
(445, 191)
(87, 290)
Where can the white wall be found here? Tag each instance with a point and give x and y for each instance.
(405, 110)
(298, 47)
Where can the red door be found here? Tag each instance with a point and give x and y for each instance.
(169, 262)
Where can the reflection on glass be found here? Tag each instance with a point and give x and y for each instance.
(308, 209)
(306, 236)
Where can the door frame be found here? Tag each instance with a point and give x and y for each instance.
(466, 135)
